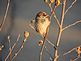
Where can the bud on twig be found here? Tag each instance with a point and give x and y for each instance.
(40, 42)
(52, 1)
(26, 34)
(78, 50)
(1, 47)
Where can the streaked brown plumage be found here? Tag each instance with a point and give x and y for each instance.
(42, 21)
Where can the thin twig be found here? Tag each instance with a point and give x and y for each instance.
(76, 58)
(1, 47)
(13, 47)
(51, 58)
(70, 6)
(60, 30)
(53, 13)
(72, 24)
(51, 43)
(68, 52)
(19, 49)
(4, 18)
(10, 49)
(71, 50)
(16, 42)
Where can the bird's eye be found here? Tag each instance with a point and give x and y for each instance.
(44, 14)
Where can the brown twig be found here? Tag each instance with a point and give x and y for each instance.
(51, 58)
(19, 49)
(68, 52)
(4, 18)
(11, 48)
(53, 13)
(71, 25)
(70, 6)
(76, 58)
(26, 34)
(60, 30)
(71, 50)
(43, 37)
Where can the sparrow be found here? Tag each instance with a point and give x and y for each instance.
(42, 22)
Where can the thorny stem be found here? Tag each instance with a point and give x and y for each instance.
(51, 43)
(4, 18)
(60, 30)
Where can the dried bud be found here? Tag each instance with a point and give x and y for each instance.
(1, 47)
(8, 37)
(45, 1)
(78, 50)
(15, 54)
(57, 3)
(40, 42)
(26, 34)
(52, 1)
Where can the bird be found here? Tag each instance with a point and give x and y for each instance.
(42, 22)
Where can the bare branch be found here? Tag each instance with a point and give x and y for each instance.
(51, 43)
(53, 13)
(71, 50)
(62, 13)
(76, 58)
(16, 42)
(11, 49)
(4, 18)
(51, 58)
(60, 30)
(72, 24)
(70, 6)
(19, 49)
